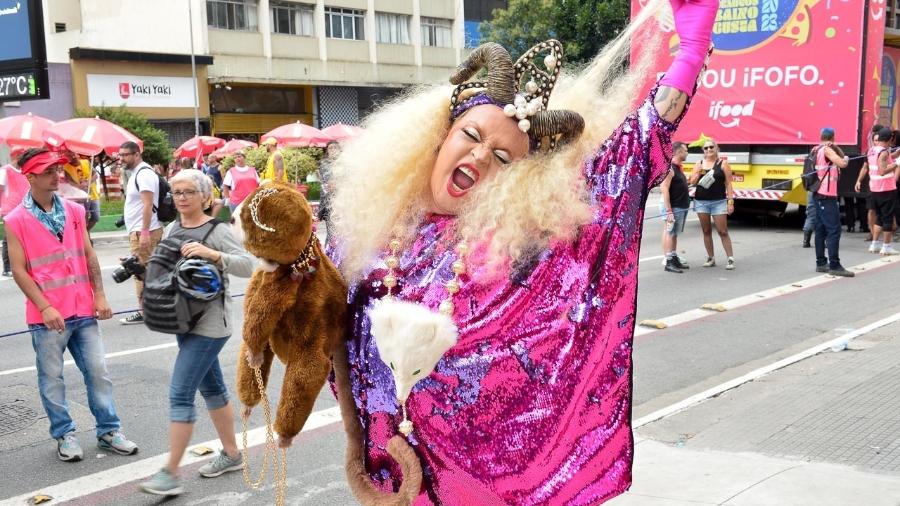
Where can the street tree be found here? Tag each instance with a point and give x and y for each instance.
(583, 26)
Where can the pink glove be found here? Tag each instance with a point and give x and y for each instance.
(693, 21)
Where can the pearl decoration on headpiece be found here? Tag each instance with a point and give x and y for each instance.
(254, 207)
(524, 100)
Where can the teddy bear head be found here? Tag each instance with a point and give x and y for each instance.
(276, 221)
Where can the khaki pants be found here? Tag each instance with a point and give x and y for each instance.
(134, 241)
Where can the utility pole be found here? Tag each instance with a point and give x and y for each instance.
(194, 71)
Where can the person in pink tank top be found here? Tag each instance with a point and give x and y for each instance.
(882, 172)
(239, 182)
(56, 268)
(829, 162)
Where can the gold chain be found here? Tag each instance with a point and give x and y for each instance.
(445, 308)
(271, 449)
(452, 286)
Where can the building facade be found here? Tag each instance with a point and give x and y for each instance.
(258, 63)
(477, 11)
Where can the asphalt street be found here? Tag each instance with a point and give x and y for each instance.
(669, 364)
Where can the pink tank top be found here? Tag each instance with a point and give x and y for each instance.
(59, 268)
(877, 183)
(828, 173)
(242, 184)
(16, 188)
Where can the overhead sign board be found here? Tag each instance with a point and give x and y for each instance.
(140, 91)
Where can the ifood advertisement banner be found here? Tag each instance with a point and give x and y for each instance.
(780, 71)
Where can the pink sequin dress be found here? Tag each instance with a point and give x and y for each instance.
(533, 404)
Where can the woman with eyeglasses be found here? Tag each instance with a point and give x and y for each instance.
(713, 198)
(197, 364)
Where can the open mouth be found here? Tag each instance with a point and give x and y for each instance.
(463, 179)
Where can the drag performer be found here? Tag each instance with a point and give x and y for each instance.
(490, 235)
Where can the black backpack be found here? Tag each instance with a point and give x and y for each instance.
(165, 308)
(810, 177)
(165, 204)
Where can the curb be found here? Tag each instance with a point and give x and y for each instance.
(110, 238)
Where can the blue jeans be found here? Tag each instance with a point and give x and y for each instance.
(828, 232)
(810, 224)
(196, 368)
(82, 338)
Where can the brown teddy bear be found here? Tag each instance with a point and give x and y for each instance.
(295, 305)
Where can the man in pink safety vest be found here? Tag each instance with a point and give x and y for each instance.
(13, 187)
(56, 268)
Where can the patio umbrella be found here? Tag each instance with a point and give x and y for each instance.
(340, 131)
(24, 130)
(233, 146)
(89, 136)
(297, 135)
(198, 146)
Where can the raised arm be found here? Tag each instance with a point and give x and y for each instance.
(693, 21)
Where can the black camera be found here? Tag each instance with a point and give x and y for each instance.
(120, 222)
(130, 266)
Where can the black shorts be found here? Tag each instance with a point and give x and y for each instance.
(870, 203)
(885, 209)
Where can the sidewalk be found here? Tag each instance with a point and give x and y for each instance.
(824, 431)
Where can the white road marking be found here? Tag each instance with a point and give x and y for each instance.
(108, 355)
(117, 476)
(647, 259)
(769, 294)
(102, 480)
(670, 321)
(762, 371)
(86, 485)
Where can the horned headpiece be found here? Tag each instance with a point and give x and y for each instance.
(503, 87)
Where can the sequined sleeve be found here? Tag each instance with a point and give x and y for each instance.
(638, 151)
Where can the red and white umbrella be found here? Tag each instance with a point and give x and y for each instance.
(233, 146)
(297, 135)
(340, 131)
(24, 130)
(198, 146)
(89, 136)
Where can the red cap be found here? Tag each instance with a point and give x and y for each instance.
(42, 161)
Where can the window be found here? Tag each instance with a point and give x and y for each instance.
(231, 14)
(344, 23)
(292, 18)
(59, 27)
(437, 32)
(391, 28)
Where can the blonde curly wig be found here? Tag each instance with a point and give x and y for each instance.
(381, 178)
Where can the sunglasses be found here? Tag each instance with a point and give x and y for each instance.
(708, 148)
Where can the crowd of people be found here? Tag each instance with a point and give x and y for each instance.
(878, 212)
(59, 275)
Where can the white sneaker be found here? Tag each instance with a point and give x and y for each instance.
(729, 266)
(710, 262)
(684, 262)
(875, 247)
(888, 250)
